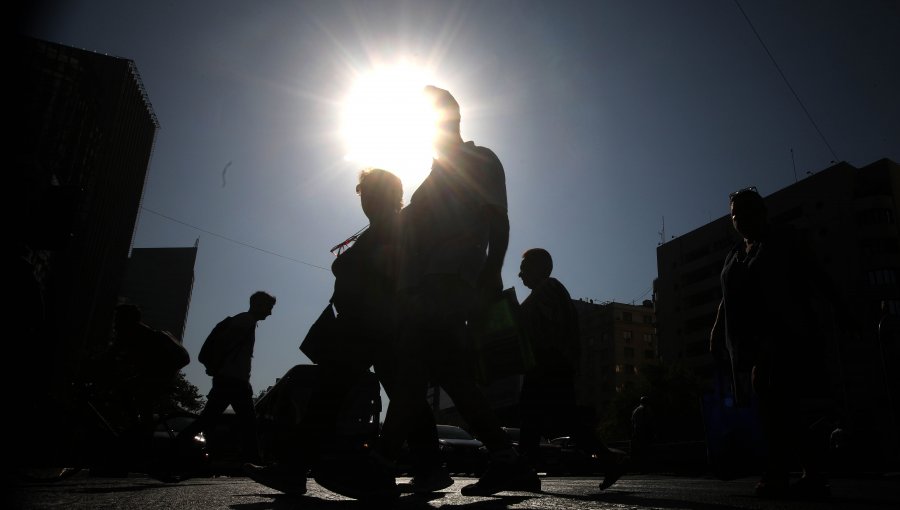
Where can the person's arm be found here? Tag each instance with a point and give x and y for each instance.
(490, 282)
(716, 333)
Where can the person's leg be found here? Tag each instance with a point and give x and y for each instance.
(242, 403)
(216, 402)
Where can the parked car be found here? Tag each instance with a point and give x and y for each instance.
(461, 453)
(548, 460)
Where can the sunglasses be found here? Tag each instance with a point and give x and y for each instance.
(744, 190)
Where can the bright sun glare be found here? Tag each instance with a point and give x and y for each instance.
(389, 124)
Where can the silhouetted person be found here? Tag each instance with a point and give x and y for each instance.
(889, 344)
(231, 383)
(456, 233)
(643, 430)
(771, 334)
(365, 298)
(148, 361)
(548, 399)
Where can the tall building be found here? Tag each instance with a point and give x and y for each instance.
(850, 216)
(83, 134)
(160, 282)
(617, 341)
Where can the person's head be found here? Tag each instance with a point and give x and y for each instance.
(645, 400)
(261, 304)
(536, 267)
(748, 213)
(128, 316)
(448, 117)
(380, 193)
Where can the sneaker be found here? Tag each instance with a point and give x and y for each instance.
(517, 476)
(614, 470)
(286, 480)
(369, 479)
(433, 480)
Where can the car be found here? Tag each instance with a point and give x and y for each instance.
(549, 455)
(462, 453)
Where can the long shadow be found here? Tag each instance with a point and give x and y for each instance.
(632, 499)
(409, 502)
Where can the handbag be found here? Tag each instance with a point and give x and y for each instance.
(499, 346)
(319, 339)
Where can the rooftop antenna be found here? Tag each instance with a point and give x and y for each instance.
(662, 233)
(794, 164)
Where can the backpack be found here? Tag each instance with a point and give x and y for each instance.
(217, 347)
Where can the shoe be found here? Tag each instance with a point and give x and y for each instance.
(370, 478)
(517, 476)
(286, 480)
(809, 487)
(614, 470)
(772, 488)
(433, 480)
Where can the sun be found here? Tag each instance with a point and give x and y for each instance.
(388, 123)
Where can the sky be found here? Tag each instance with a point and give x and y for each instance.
(617, 123)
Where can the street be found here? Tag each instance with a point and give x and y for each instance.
(632, 492)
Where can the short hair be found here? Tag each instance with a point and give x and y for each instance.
(540, 257)
(749, 196)
(261, 297)
(385, 185)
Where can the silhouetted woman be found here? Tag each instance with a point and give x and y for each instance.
(770, 331)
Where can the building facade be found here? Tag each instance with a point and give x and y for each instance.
(84, 132)
(160, 282)
(850, 216)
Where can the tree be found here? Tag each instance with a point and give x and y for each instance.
(185, 395)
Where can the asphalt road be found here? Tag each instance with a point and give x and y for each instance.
(632, 492)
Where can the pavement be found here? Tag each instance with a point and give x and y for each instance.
(630, 493)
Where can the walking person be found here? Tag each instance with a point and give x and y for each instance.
(456, 232)
(767, 321)
(365, 299)
(231, 377)
(549, 390)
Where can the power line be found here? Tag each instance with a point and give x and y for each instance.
(235, 241)
(783, 77)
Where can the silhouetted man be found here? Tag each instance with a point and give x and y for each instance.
(231, 381)
(548, 399)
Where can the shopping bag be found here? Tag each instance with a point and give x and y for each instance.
(319, 341)
(498, 344)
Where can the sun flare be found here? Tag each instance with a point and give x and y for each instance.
(388, 123)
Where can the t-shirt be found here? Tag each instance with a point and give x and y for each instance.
(446, 230)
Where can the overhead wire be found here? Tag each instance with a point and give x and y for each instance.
(788, 83)
(235, 241)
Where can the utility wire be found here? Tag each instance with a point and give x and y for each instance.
(783, 77)
(235, 241)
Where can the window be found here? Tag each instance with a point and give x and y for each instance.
(626, 316)
(883, 277)
(648, 319)
(649, 354)
(629, 353)
(648, 338)
(626, 335)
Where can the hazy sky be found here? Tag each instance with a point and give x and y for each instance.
(607, 116)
